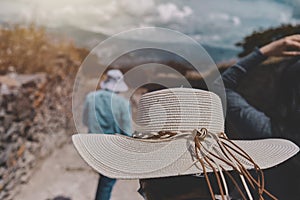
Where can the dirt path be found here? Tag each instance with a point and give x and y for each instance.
(65, 174)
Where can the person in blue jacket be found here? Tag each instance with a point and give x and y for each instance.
(107, 112)
(251, 123)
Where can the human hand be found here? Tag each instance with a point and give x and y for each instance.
(287, 46)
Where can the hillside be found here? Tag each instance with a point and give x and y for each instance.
(36, 81)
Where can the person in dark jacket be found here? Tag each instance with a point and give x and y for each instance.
(282, 181)
(251, 123)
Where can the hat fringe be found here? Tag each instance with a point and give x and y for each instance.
(229, 159)
(225, 153)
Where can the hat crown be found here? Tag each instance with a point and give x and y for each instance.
(114, 81)
(115, 74)
(179, 109)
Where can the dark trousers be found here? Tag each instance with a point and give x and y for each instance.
(105, 186)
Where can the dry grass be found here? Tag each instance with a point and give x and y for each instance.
(29, 49)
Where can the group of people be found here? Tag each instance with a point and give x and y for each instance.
(283, 181)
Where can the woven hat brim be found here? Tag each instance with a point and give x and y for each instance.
(122, 157)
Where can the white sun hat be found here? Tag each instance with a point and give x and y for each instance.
(177, 131)
(114, 81)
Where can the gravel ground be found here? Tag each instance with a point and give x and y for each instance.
(65, 174)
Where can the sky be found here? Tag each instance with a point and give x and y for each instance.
(217, 23)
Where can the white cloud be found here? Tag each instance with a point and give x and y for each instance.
(137, 7)
(221, 18)
(170, 12)
(236, 20)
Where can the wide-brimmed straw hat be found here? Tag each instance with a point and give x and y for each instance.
(179, 131)
(114, 81)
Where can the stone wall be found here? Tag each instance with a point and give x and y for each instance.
(34, 119)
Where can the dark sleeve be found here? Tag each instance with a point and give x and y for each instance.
(232, 76)
(249, 122)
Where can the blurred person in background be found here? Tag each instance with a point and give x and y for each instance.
(251, 123)
(106, 112)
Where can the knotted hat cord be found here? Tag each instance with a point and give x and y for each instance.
(208, 160)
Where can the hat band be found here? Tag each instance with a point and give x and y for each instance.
(114, 78)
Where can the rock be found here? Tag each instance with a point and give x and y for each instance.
(20, 172)
(9, 82)
(2, 131)
(13, 129)
(32, 146)
(3, 158)
(11, 161)
(2, 113)
(4, 90)
(8, 120)
(21, 150)
(35, 137)
(24, 109)
(3, 195)
(61, 198)
(2, 170)
(5, 176)
(10, 107)
(24, 178)
(31, 80)
(1, 185)
(10, 184)
(14, 137)
(28, 158)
